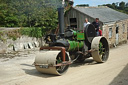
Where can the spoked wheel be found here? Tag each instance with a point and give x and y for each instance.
(101, 49)
(59, 59)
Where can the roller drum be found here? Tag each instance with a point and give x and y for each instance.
(46, 61)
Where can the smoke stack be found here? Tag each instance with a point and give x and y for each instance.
(61, 21)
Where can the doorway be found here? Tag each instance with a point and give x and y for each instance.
(117, 35)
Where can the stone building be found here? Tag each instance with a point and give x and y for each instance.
(114, 24)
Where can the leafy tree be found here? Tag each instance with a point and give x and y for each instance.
(126, 4)
(83, 5)
(122, 5)
(28, 13)
(2, 14)
(109, 5)
(114, 6)
(6, 16)
(121, 8)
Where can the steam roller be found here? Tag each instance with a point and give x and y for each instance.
(70, 46)
(73, 46)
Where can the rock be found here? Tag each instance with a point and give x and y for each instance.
(15, 47)
(30, 45)
(25, 46)
(36, 44)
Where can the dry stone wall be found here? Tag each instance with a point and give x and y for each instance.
(20, 44)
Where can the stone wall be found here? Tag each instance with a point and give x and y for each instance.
(20, 44)
(117, 37)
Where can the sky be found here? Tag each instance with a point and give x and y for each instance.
(96, 2)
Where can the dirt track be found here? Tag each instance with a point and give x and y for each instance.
(19, 71)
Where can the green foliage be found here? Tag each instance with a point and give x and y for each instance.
(83, 5)
(36, 16)
(121, 7)
(11, 21)
(6, 16)
(32, 32)
(29, 13)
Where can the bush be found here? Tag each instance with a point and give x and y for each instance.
(32, 32)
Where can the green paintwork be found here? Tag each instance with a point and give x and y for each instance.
(74, 33)
(101, 49)
(74, 45)
(80, 36)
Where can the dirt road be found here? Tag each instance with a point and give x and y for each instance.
(19, 71)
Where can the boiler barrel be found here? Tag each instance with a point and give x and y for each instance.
(75, 45)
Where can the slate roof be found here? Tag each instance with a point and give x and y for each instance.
(105, 14)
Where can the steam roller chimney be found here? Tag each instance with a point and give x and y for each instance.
(61, 19)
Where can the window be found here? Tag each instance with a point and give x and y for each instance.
(110, 32)
(117, 29)
(73, 22)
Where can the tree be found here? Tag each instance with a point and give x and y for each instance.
(122, 5)
(119, 6)
(7, 19)
(126, 4)
(28, 13)
(114, 6)
(83, 5)
(2, 14)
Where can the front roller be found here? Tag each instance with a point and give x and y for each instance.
(48, 62)
(101, 49)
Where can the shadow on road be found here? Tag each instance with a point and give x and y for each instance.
(34, 72)
(86, 62)
(27, 65)
(122, 77)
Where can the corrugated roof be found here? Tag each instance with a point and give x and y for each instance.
(105, 14)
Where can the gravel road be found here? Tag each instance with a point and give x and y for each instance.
(19, 71)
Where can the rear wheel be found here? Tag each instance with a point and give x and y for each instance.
(101, 49)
